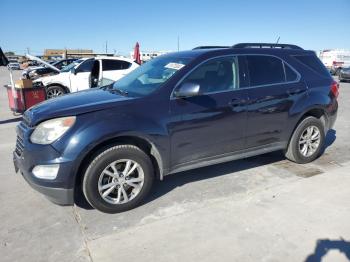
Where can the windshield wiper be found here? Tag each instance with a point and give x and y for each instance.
(112, 88)
(120, 91)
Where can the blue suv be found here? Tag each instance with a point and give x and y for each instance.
(176, 112)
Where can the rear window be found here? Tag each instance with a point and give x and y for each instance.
(312, 62)
(265, 70)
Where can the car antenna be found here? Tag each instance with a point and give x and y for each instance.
(278, 39)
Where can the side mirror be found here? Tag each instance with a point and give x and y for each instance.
(187, 90)
(74, 71)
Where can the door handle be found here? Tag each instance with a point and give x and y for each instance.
(295, 91)
(236, 102)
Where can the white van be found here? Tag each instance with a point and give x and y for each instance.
(335, 59)
(87, 73)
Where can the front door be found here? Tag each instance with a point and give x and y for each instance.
(212, 123)
(81, 78)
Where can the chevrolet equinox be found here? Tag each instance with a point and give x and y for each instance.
(176, 112)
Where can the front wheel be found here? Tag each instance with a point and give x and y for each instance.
(54, 91)
(307, 141)
(118, 179)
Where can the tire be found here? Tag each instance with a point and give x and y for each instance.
(54, 91)
(337, 72)
(98, 175)
(295, 151)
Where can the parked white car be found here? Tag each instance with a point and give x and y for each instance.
(14, 66)
(87, 73)
(335, 59)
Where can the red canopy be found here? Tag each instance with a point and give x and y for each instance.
(137, 55)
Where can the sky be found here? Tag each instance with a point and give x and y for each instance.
(157, 25)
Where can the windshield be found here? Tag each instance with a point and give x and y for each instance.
(70, 66)
(150, 76)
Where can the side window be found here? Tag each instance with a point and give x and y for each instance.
(265, 70)
(312, 62)
(125, 65)
(216, 75)
(110, 65)
(290, 74)
(86, 66)
(59, 65)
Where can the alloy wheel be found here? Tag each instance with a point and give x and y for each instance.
(54, 93)
(121, 181)
(309, 141)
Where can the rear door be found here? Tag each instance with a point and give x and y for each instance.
(273, 88)
(114, 69)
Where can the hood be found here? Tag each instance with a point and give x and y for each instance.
(46, 80)
(31, 68)
(73, 104)
(43, 62)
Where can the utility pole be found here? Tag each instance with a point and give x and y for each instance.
(178, 43)
(106, 48)
(28, 50)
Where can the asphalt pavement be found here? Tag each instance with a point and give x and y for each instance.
(263, 208)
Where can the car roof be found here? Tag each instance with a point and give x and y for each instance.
(241, 49)
(115, 58)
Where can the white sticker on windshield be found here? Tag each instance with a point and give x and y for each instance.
(175, 66)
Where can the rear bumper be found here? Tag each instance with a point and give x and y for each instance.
(332, 120)
(344, 76)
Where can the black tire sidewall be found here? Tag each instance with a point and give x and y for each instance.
(90, 181)
(309, 121)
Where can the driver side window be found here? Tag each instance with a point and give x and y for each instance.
(216, 75)
(86, 66)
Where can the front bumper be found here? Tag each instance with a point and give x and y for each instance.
(27, 155)
(60, 196)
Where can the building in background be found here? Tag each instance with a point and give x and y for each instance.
(64, 53)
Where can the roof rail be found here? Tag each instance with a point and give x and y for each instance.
(266, 45)
(210, 47)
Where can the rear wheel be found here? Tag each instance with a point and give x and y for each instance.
(118, 179)
(54, 91)
(307, 141)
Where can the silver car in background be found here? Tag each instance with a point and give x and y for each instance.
(344, 74)
(14, 66)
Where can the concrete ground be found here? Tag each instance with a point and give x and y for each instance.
(263, 208)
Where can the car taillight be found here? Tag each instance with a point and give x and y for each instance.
(337, 63)
(335, 89)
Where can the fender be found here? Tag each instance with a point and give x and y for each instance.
(93, 133)
(313, 99)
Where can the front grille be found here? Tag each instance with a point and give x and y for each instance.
(19, 146)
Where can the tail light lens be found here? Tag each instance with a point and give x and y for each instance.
(335, 63)
(335, 89)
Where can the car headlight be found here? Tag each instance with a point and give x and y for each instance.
(51, 130)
